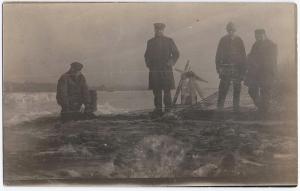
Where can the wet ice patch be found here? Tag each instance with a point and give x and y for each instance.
(205, 170)
(22, 107)
(109, 109)
(106, 169)
(69, 173)
(157, 156)
(25, 117)
(68, 150)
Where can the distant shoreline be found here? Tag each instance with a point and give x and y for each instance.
(18, 87)
(15, 87)
(55, 91)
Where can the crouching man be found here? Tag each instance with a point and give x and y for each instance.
(73, 96)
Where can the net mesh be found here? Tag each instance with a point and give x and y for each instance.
(245, 101)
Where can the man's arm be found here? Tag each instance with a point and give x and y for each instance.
(62, 92)
(174, 51)
(147, 55)
(249, 58)
(219, 55)
(85, 91)
(243, 58)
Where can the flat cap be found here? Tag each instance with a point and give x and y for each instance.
(76, 66)
(159, 25)
(260, 31)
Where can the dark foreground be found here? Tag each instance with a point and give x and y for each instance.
(194, 148)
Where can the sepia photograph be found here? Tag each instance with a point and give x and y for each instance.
(149, 93)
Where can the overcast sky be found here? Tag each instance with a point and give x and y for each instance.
(41, 40)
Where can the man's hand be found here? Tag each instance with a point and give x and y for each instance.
(82, 108)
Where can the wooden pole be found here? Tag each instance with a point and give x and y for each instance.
(180, 84)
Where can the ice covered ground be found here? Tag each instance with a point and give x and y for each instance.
(116, 147)
(21, 107)
(107, 149)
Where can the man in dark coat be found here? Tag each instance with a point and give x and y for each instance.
(230, 65)
(160, 56)
(73, 94)
(261, 70)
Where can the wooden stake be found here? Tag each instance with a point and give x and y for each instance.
(180, 83)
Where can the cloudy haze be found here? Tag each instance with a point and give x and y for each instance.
(41, 40)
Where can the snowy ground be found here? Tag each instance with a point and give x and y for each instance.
(108, 148)
(184, 148)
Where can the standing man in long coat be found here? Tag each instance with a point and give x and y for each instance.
(261, 70)
(160, 56)
(230, 65)
(73, 94)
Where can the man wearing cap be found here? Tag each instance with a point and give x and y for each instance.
(160, 56)
(261, 70)
(73, 94)
(230, 65)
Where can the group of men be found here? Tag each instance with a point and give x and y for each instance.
(258, 71)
